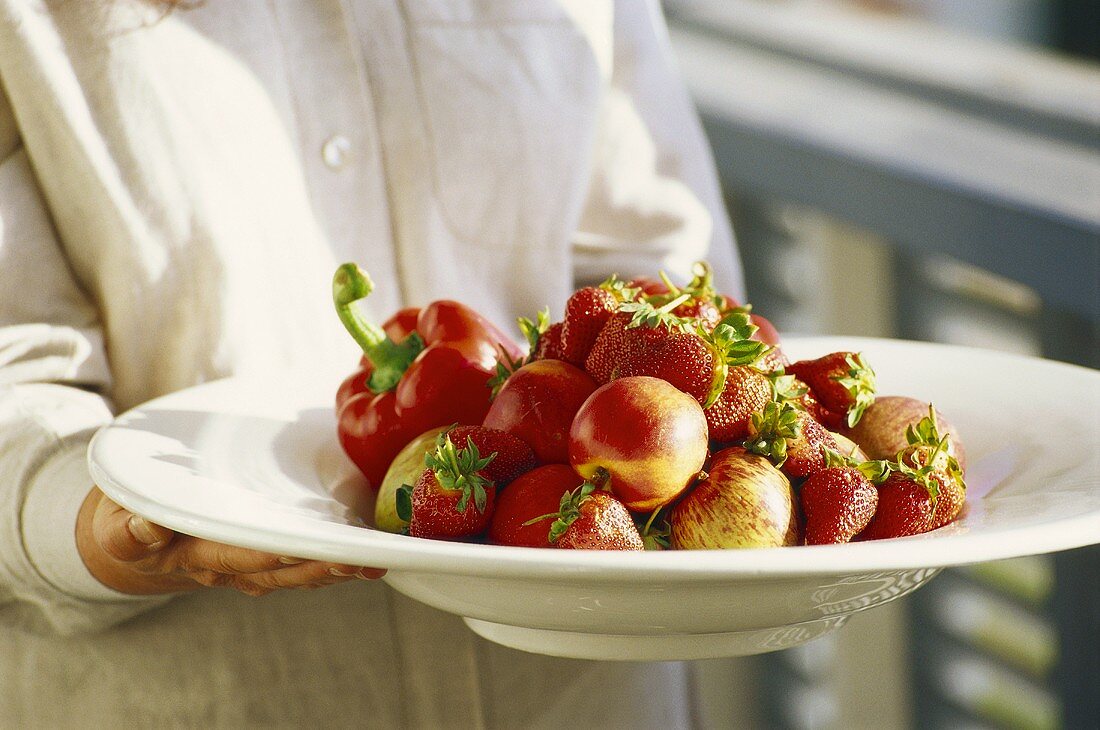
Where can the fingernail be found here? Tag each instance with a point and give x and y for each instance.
(290, 561)
(339, 573)
(142, 531)
(370, 573)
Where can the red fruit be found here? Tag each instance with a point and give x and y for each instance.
(644, 436)
(841, 382)
(702, 311)
(772, 361)
(949, 502)
(401, 324)
(354, 384)
(549, 345)
(683, 359)
(806, 453)
(765, 330)
(791, 438)
(590, 519)
(606, 352)
(512, 454)
(648, 287)
(747, 391)
(625, 334)
(586, 312)
(533, 495)
(452, 498)
(697, 362)
(363, 433)
(837, 502)
(538, 402)
(929, 460)
(905, 507)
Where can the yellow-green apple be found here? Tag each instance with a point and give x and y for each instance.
(743, 502)
(537, 403)
(642, 435)
(404, 469)
(881, 431)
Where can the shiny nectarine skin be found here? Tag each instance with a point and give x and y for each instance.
(537, 404)
(649, 437)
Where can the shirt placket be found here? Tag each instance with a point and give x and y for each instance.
(340, 144)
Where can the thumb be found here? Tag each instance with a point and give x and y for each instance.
(126, 536)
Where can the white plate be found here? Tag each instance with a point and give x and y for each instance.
(256, 463)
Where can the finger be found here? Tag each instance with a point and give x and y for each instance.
(309, 574)
(126, 536)
(201, 555)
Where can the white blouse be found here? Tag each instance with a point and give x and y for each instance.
(175, 193)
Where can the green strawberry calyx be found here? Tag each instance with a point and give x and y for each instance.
(787, 388)
(701, 286)
(876, 471)
(771, 429)
(646, 314)
(928, 452)
(459, 469)
(532, 331)
(859, 381)
(733, 346)
(403, 497)
(569, 511)
(622, 290)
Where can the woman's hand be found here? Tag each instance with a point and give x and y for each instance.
(132, 555)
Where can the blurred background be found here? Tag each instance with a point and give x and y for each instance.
(930, 170)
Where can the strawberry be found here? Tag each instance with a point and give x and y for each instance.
(773, 360)
(438, 505)
(905, 507)
(592, 519)
(684, 359)
(648, 286)
(533, 495)
(634, 327)
(928, 460)
(766, 331)
(696, 362)
(840, 381)
(511, 456)
(603, 359)
(791, 438)
(746, 391)
(549, 346)
(702, 311)
(586, 312)
(839, 501)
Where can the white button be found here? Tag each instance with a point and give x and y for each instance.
(335, 151)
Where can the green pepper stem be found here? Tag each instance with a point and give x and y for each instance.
(351, 285)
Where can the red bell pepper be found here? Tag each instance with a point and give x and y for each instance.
(437, 375)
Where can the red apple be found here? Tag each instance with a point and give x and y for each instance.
(537, 403)
(743, 502)
(649, 438)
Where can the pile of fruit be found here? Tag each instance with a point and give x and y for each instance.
(650, 416)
